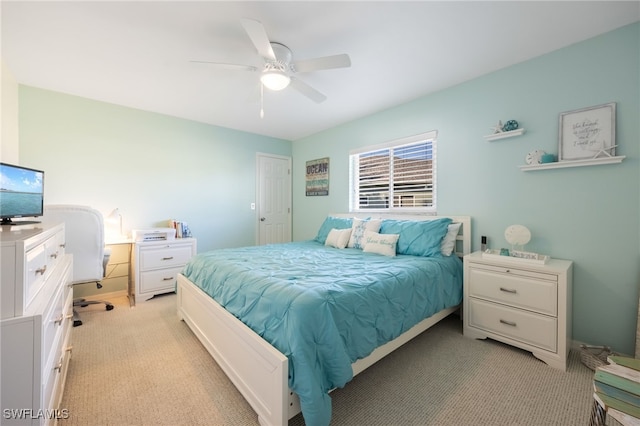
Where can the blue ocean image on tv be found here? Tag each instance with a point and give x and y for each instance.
(19, 203)
(21, 192)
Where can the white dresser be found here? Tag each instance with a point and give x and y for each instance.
(523, 304)
(156, 265)
(36, 317)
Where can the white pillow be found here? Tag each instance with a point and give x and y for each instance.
(380, 243)
(338, 238)
(449, 241)
(359, 228)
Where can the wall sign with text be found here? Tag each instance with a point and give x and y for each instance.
(588, 133)
(317, 177)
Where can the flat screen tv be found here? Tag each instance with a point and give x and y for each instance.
(21, 193)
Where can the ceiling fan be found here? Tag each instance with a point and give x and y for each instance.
(279, 69)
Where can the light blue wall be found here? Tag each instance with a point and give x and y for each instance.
(151, 166)
(590, 215)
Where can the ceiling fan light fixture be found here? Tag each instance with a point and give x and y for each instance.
(275, 80)
(274, 77)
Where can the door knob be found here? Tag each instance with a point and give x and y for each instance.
(262, 219)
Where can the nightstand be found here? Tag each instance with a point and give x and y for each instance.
(156, 265)
(527, 305)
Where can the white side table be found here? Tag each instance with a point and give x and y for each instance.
(156, 265)
(519, 303)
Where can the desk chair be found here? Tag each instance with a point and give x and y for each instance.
(84, 238)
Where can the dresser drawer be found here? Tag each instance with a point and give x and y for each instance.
(56, 346)
(35, 269)
(518, 290)
(55, 321)
(527, 327)
(55, 374)
(159, 279)
(165, 256)
(53, 252)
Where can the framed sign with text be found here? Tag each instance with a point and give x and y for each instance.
(587, 133)
(317, 177)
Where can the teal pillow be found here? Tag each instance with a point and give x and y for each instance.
(417, 238)
(330, 223)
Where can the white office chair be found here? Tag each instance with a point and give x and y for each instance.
(84, 238)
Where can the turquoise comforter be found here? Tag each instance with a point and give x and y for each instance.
(325, 308)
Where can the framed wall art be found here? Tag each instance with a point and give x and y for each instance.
(587, 133)
(317, 177)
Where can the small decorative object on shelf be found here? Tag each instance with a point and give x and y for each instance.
(510, 125)
(547, 158)
(498, 128)
(534, 157)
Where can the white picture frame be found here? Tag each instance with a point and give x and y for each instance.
(587, 133)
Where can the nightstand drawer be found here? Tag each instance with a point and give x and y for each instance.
(164, 256)
(160, 279)
(534, 329)
(515, 290)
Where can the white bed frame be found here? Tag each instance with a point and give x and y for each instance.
(257, 369)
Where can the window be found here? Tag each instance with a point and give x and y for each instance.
(399, 175)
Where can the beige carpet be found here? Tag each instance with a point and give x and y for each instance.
(142, 366)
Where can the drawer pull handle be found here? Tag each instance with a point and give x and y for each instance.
(167, 258)
(58, 320)
(54, 255)
(167, 279)
(68, 348)
(510, 323)
(63, 245)
(42, 270)
(508, 290)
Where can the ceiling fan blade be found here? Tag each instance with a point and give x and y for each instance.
(323, 63)
(259, 37)
(224, 66)
(307, 90)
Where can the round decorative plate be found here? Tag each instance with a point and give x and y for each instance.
(517, 235)
(534, 157)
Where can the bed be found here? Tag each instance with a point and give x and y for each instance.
(289, 322)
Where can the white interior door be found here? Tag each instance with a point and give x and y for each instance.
(274, 199)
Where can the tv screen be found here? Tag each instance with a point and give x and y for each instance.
(21, 193)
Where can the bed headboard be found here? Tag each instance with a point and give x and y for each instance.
(463, 241)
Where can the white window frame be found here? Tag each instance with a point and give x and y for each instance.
(354, 174)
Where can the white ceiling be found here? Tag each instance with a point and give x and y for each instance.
(138, 53)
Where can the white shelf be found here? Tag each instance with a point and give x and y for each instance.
(503, 135)
(573, 163)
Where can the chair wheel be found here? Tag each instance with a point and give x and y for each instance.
(109, 307)
(77, 323)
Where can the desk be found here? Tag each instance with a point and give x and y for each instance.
(117, 274)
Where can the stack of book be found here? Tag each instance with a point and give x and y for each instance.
(617, 389)
(182, 229)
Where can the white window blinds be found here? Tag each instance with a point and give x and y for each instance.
(396, 175)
